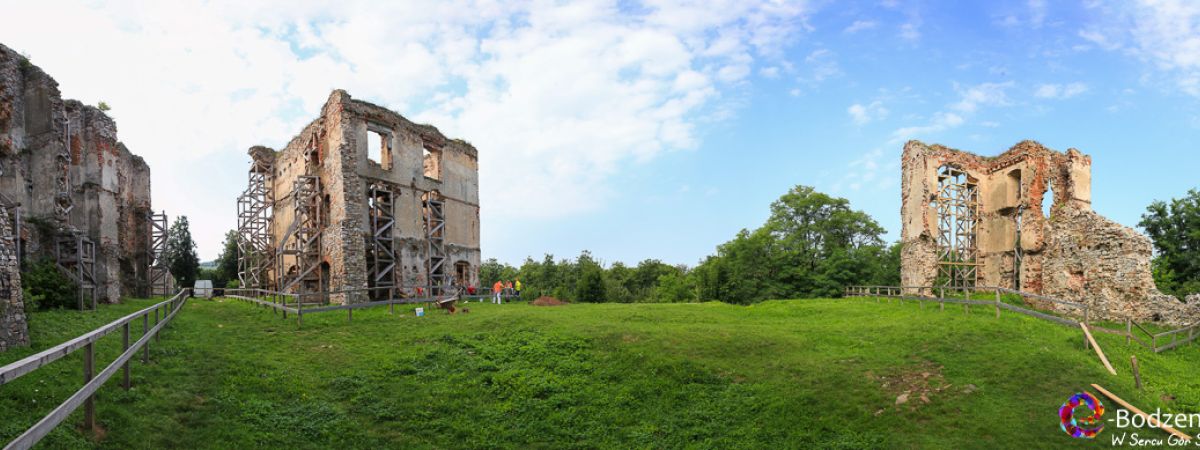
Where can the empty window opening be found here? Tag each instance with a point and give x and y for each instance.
(432, 162)
(1048, 201)
(379, 148)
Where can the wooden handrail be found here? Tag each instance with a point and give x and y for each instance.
(84, 396)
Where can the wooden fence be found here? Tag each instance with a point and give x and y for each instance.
(1078, 311)
(284, 303)
(163, 313)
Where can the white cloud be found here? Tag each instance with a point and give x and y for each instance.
(567, 93)
(860, 25)
(1099, 38)
(1163, 33)
(1037, 13)
(984, 94)
(910, 31)
(1060, 91)
(821, 64)
(970, 100)
(941, 121)
(863, 114)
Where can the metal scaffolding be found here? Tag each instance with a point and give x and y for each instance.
(381, 250)
(255, 212)
(957, 206)
(435, 240)
(159, 273)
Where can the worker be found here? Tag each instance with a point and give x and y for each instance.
(498, 290)
(517, 285)
(508, 289)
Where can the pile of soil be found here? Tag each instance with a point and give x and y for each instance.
(547, 301)
(917, 385)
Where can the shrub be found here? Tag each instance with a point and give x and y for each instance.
(46, 287)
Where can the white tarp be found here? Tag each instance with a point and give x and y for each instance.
(203, 288)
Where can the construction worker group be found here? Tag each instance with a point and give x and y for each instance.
(503, 289)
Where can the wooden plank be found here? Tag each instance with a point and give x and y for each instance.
(1171, 346)
(1099, 352)
(1139, 412)
(1140, 341)
(401, 301)
(1040, 315)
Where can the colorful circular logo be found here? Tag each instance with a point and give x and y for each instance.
(1086, 427)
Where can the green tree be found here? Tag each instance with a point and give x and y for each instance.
(590, 287)
(493, 270)
(675, 287)
(181, 253)
(44, 286)
(811, 246)
(227, 262)
(1175, 229)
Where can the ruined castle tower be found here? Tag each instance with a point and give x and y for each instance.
(361, 198)
(71, 191)
(970, 221)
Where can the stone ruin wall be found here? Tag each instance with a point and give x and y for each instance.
(110, 187)
(13, 329)
(1074, 254)
(345, 172)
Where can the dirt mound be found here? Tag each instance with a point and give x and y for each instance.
(547, 301)
(914, 386)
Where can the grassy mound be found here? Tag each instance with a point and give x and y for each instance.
(783, 374)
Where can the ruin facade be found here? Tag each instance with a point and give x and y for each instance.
(70, 191)
(973, 221)
(362, 200)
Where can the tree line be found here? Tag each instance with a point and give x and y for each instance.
(812, 245)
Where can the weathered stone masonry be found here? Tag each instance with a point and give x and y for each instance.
(63, 171)
(413, 165)
(1074, 254)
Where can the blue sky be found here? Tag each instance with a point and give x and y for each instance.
(642, 130)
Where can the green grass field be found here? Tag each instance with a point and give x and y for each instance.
(781, 374)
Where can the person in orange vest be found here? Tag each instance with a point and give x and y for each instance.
(497, 289)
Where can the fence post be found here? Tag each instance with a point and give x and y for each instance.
(89, 406)
(1128, 330)
(941, 298)
(146, 329)
(124, 348)
(1137, 374)
(997, 303)
(349, 312)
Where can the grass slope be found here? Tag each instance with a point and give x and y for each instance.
(782, 374)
